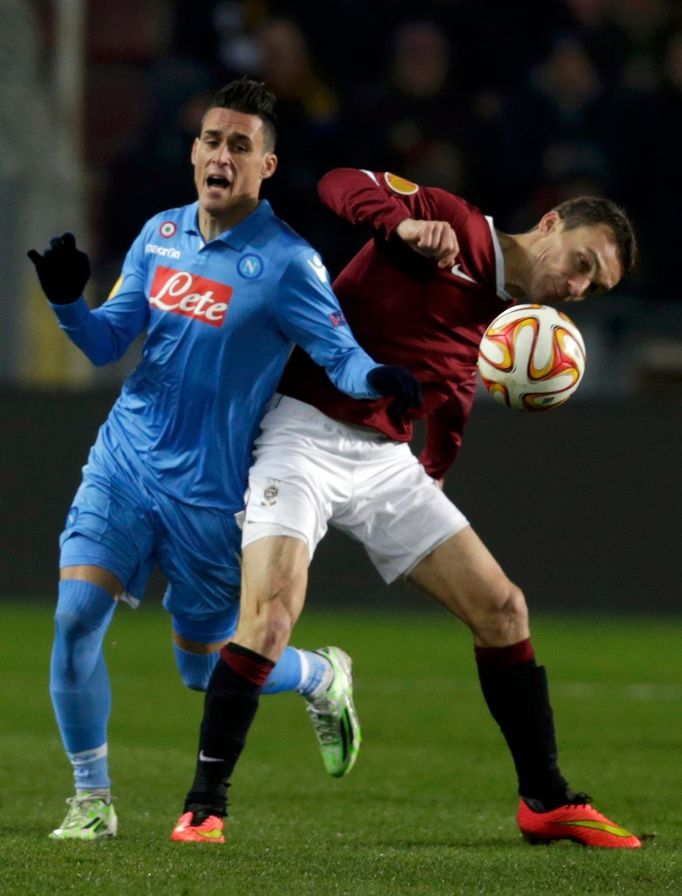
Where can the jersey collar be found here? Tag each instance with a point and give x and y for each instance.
(500, 291)
(238, 236)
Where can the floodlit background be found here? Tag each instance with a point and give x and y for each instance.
(515, 106)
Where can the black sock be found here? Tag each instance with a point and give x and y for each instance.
(518, 699)
(229, 709)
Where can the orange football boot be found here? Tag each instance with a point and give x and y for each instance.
(576, 820)
(197, 827)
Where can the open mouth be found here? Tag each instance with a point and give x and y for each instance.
(217, 182)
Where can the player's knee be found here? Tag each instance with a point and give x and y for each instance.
(195, 668)
(280, 623)
(76, 649)
(81, 619)
(268, 631)
(511, 616)
(503, 618)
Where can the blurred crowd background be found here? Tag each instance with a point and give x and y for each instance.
(515, 106)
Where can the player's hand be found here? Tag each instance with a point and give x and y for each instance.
(397, 381)
(432, 239)
(62, 269)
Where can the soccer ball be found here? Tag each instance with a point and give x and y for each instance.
(531, 358)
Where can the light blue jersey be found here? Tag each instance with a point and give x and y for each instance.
(169, 467)
(221, 319)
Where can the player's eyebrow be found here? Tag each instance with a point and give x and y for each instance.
(237, 135)
(234, 135)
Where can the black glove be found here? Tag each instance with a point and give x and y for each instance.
(393, 379)
(62, 270)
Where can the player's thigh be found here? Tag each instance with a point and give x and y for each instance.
(398, 512)
(95, 575)
(463, 575)
(198, 551)
(274, 583)
(108, 536)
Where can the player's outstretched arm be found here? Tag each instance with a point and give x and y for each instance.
(63, 270)
(103, 334)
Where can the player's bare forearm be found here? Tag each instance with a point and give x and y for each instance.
(432, 239)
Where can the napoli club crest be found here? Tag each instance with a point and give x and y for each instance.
(250, 266)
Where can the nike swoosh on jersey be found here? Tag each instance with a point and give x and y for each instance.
(456, 269)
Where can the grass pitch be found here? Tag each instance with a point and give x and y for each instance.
(429, 808)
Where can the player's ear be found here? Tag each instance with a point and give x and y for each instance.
(269, 165)
(549, 221)
(195, 147)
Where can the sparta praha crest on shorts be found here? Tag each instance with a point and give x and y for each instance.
(532, 358)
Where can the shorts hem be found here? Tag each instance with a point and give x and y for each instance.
(264, 530)
(425, 553)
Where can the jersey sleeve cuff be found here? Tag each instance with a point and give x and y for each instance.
(372, 393)
(73, 314)
(391, 220)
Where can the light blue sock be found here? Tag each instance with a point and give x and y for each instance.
(297, 670)
(91, 769)
(79, 683)
(287, 673)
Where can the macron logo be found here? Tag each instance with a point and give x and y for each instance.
(164, 251)
(456, 269)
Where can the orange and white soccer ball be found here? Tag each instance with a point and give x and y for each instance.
(532, 358)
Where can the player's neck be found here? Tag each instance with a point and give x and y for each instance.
(211, 226)
(516, 262)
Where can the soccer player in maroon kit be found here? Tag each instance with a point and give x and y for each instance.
(420, 293)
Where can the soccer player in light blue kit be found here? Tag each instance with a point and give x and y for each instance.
(223, 289)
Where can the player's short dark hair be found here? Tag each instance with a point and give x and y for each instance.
(593, 210)
(252, 98)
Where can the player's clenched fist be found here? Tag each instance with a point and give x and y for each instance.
(433, 239)
(63, 270)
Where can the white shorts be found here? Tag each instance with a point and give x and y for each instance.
(310, 470)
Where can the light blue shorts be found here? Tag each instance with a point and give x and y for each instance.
(117, 523)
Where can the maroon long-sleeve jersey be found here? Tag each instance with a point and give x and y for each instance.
(403, 309)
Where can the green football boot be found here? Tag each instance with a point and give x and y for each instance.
(333, 715)
(90, 817)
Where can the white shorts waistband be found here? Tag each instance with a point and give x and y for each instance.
(301, 410)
